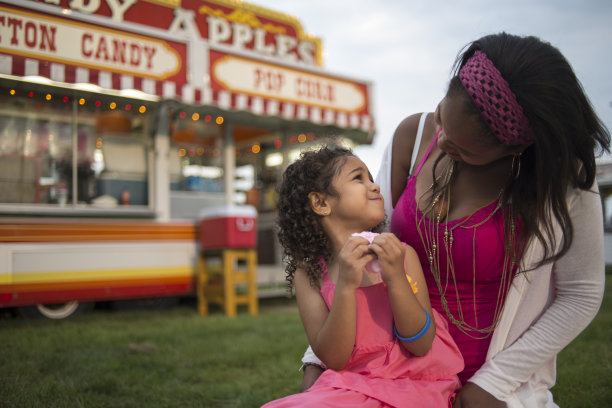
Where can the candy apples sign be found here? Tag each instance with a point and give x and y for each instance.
(234, 23)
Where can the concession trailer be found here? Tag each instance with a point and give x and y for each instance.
(121, 121)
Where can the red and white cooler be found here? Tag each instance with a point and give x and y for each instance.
(232, 226)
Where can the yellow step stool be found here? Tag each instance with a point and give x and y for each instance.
(227, 277)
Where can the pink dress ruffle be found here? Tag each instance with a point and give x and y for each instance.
(381, 372)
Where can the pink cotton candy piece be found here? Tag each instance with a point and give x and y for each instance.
(373, 266)
(367, 235)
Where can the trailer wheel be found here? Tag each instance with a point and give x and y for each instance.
(56, 311)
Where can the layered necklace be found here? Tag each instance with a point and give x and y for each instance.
(433, 224)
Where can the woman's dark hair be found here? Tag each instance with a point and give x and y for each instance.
(568, 134)
(299, 228)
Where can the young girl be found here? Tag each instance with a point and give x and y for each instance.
(364, 306)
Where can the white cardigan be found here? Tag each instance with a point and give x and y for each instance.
(545, 309)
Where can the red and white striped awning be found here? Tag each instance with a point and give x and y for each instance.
(17, 66)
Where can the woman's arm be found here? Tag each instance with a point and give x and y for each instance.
(395, 165)
(311, 373)
(312, 368)
(578, 279)
(403, 144)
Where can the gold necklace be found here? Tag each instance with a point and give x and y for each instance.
(437, 211)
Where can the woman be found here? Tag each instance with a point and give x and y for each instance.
(496, 192)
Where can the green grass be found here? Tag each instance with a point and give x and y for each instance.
(167, 358)
(584, 368)
(175, 358)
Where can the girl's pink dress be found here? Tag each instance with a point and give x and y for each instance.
(381, 372)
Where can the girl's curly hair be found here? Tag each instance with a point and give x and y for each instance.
(299, 228)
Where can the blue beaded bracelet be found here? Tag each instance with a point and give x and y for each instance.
(419, 334)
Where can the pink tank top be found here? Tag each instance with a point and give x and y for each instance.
(477, 283)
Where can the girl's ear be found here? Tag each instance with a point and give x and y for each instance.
(319, 204)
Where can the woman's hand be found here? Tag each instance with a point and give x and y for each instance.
(311, 373)
(390, 252)
(472, 396)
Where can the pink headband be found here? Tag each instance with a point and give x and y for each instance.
(495, 101)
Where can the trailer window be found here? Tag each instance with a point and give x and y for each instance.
(196, 154)
(62, 148)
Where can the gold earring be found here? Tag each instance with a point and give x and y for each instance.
(516, 165)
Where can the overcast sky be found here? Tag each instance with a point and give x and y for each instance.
(406, 47)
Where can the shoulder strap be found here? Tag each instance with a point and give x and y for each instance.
(417, 141)
(435, 139)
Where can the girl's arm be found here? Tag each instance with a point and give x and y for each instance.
(331, 333)
(408, 308)
(331, 336)
(408, 320)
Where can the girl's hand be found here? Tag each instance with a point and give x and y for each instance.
(353, 257)
(472, 396)
(390, 252)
